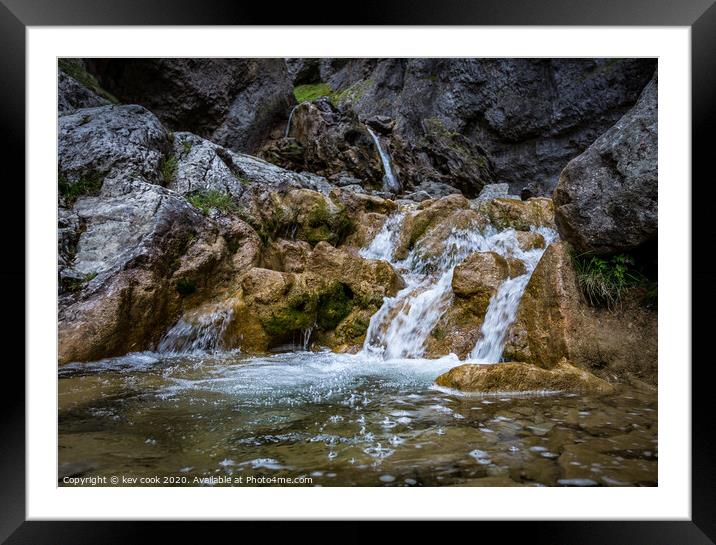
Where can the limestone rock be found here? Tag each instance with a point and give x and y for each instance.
(110, 141)
(72, 95)
(202, 165)
(606, 199)
(470, 122)
(520, 377)
(554, 321)
(480, 274)
(517, 214)
(234, 102)
(144, 255)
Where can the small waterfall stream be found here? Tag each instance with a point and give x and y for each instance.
(390, 182)
(200, 333)
(290, 117)
(401, 326)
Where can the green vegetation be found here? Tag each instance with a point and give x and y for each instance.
(603, 281)
(71, 191)
(298, 315)
(353, 92)
(333, 306)
(74, 285)
(311, 91)
(211, 198)
(321, 225)
(187, 145)
(75, 69)
(169, 168)
(186, 286)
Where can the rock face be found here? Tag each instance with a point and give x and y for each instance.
(72, 95)
(554, 322)
(234, 102)
(463, 122)
(469, 122)
(142, 256)
(201, 166)
(606, 199)
(329, 142)
(520, 377)
(333, 296)
(110, 141)
(479, 274)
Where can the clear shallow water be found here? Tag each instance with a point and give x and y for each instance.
(342, 421)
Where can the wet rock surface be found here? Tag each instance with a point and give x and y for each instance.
(555, 321)
(520, 377)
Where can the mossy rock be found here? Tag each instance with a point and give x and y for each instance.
(334, 305)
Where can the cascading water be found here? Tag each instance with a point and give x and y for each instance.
(290, 117)
(401, 326)
(383, 245)
(201, 333)
(390, 183)
(502, 309)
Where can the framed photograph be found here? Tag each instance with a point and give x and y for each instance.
(365, 272)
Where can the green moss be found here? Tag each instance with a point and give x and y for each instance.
(213, 199)
(299, 314)
(187, 145)
(75, 69)
(311, 91)
(353, 92)
(321, 225)
(333, 306)
(74, 285)
(358, 328)
(186, 286)
(71, 191)
(169, 168)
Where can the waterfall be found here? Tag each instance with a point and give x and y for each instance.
(290, 116)
(200, 333)
(401, 326)
(383, 245)
(390, 182)
(502, 310)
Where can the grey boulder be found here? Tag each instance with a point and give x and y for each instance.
(606, 199)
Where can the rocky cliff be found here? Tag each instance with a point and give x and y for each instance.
(462, 122)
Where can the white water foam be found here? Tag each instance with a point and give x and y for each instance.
(200, 333)
(502, 310)
(401, 326)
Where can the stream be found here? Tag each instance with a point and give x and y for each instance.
(193, 411)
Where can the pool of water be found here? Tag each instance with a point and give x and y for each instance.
(339, 420)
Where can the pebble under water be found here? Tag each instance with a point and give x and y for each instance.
(340, 420)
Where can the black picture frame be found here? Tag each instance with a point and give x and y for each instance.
(16, 15)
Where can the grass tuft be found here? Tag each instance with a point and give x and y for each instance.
(603, 280)
(71, 191)
(169, 168)
(213, 199)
